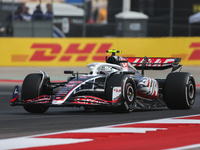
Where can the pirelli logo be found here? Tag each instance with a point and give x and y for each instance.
(46, 52)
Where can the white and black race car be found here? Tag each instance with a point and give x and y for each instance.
(116, 85)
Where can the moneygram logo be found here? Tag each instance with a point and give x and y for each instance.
(48, 52)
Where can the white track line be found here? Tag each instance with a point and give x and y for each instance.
(195, 146)
(23, 142)
(115, 130)
(32, 141)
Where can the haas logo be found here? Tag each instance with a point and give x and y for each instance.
(116, 94)
(124, 65)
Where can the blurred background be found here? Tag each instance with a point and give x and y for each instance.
(99, 18)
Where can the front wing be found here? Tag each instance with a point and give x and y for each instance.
(47, 100)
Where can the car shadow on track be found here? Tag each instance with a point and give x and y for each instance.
(81, 111)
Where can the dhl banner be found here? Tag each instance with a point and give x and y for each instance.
(81, 51)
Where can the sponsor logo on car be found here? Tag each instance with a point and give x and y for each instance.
(116, 94)
(70, 85)
(72, 82)
(83, 77)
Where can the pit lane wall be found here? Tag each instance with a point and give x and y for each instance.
(81, 51)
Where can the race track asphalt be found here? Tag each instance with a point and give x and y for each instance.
(15, 121)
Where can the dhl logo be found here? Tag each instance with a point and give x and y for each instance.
(194, 55)
(78, 52)
(47, 52)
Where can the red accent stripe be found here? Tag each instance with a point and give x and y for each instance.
(10, 80)
(114, 101)
(12, 100)
(20, 81)
(139, 61)
(92, 97)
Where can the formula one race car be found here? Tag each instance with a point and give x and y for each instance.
(116, 85)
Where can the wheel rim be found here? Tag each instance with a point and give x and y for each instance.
(130, 93)
(191, 91)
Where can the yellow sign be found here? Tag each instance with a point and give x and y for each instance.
(81, 51)
(196, 8)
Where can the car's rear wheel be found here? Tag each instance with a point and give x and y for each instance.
(31, 89)
(179, 90)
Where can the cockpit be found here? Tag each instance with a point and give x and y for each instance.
(103, 68)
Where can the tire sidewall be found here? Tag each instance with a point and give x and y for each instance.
(190, 91)
(32, 88)
(128, 84)
(176, 90)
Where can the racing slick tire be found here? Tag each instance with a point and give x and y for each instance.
(179, 90)
(31, 89)
(128, 93)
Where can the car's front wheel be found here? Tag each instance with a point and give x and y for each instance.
(128, 96)
(31, 89)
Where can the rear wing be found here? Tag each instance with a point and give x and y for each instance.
(145, 63)
(153, 63)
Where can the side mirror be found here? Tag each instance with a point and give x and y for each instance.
(69, 72)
